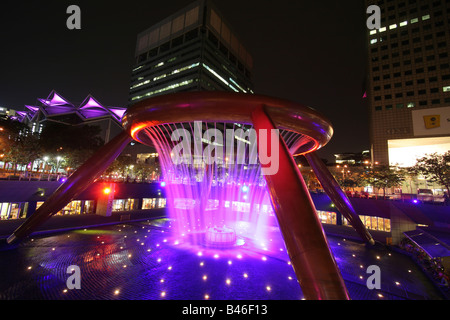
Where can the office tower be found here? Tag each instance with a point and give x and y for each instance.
(193, 49)
(409, 80)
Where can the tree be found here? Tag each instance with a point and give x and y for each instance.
(17, 144)
(143, 170)
(383, 177)
(74, 144)
(56, 137)
(120, 165)
(435, 168)
(25, 151)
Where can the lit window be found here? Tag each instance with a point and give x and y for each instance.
(411, 105)
(219, 77)
(446, 89)
(172, 86)
(414, 20)
(373, 41)
(237, 85)
(159, 77)
(392, 26)
(383, 29)
(426, 17)
(373, 31)
(404, 23)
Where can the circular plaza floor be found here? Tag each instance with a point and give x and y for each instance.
(144, 260)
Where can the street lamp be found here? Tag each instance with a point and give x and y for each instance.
(58, 159)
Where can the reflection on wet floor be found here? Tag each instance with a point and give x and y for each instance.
(144, 260)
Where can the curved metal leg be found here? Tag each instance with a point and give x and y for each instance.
(313, 262)
(334, 191)
(74, 185)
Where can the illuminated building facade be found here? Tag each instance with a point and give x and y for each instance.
(191, 50)
(409, 80)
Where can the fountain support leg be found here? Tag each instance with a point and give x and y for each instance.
(306, 243)
(341, 201)
(75, 184)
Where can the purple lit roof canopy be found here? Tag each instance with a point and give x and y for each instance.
(58, 109)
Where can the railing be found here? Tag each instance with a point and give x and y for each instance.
(403, 197)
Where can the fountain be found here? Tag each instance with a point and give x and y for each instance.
(235, 178)
(220, 237)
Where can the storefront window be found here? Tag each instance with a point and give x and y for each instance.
(124, 204)
(13, 210)
(328, 217)
(73, 207)
(118, 205)
(89, 207)
(161, 202)
(148, 203)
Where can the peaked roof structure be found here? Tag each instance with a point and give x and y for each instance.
(56, 107)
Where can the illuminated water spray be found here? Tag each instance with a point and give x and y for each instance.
(216, 194)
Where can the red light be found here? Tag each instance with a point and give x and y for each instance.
(107, 190)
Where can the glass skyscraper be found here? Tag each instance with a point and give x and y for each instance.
(191, 50)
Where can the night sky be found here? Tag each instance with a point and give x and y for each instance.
(310, 52)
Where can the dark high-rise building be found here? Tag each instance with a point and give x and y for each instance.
(409, 80)
(193, 49)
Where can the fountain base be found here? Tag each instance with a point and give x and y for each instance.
(220, 237)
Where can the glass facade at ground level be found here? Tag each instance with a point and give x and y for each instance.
(17, 210)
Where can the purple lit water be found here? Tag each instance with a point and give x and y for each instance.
(209, 195)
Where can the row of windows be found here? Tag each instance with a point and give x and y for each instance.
(167, 88)
(411, 104)
(409, 82)
(408, 94)
(422, 91)
(401, 11)
(401, 24)
(408, 63)
(409, 2)
(188, 36)
(405, 32)
(231, 57)
(407, 58)
(417, 40)
(164, 75)
(192, 73)
(176, 56)
(186, 82)
(191, 35)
